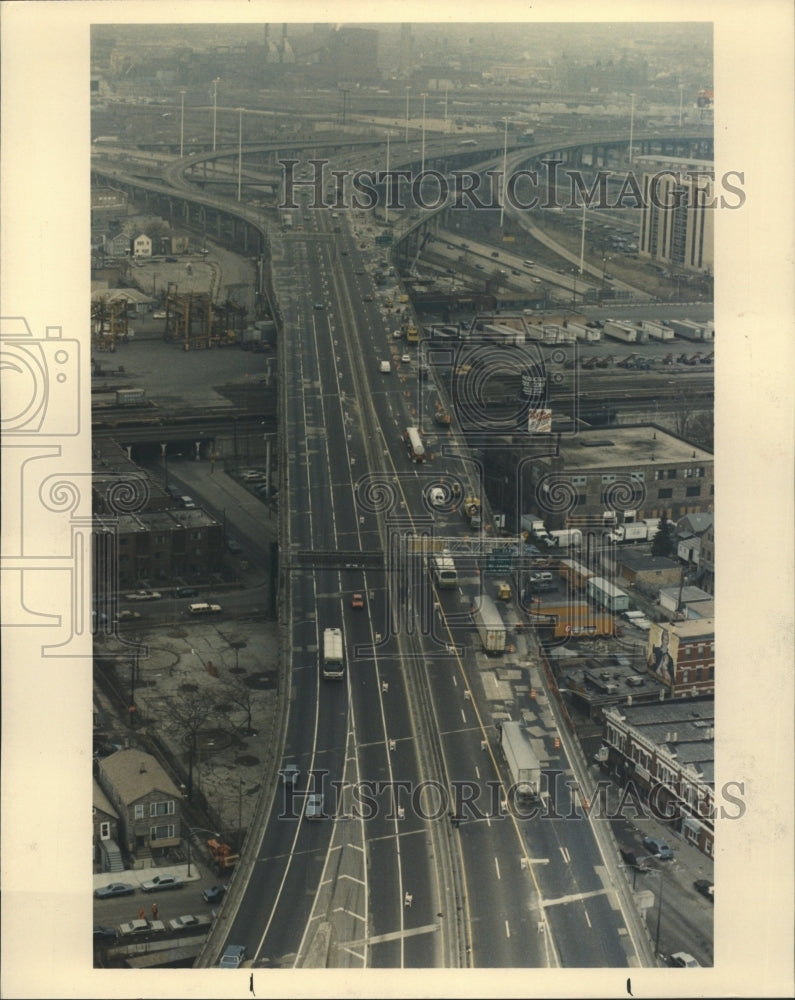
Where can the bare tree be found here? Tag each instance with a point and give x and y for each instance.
(238, 693)
(188, 714)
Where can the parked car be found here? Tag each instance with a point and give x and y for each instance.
(234, 546)
(114, 889)
(140, 927)
(188, 502)
(683, 960)
(406, 359)
(637, 861)
(706, 888)
(102, 933)
(214, 894)
(161, 882)
(189, 920)
(658, 847)
(233, 957)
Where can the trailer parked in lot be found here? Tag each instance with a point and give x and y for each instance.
(625, 332)
(491, 628)
(572, 620)
(574, 573)
(521, 759)
(607, 595)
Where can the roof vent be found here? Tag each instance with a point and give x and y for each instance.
(142, 768)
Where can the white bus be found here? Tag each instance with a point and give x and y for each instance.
(333, 655)
(444, 571)
(416, 448)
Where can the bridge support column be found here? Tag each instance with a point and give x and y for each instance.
(198, 446)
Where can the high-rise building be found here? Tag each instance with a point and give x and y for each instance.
(676, 224)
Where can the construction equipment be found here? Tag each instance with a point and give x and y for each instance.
(605, 362)
(627, 362)
(222, 854)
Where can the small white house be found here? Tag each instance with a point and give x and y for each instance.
(142, 246)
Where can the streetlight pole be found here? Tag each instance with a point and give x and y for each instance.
(215, 106)
(582, 239)
(422, 168)
(659, 915)
(181, 122)
(408, 93)
(239, 152)
(386, 189)
(504, 172)
(681, 91)
(631, 126)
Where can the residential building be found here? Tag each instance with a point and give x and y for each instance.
(682, 656)
(142, 246)
(148, 803)
(105, 832)
(677, 216)
(666, 752)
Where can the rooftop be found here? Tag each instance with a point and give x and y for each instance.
(635, 446)
(134, 774)
(641, 561)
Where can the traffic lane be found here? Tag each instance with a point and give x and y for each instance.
(503, 905)
(588, 933)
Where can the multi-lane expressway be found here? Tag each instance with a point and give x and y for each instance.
(409, 729)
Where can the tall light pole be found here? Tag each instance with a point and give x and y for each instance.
(215, 106)
(239, 152)
(681, 91)
(631, 126)
(181, 122)
(582, 238)
(408, 94)
(504, 172)
(422, 168)
(386, 188)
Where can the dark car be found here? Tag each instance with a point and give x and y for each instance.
(187, 592)
(114, 889)
(706, 888)
(102, 933)
(658, 847)
(637, 861)
(171, 260)
(214, 894)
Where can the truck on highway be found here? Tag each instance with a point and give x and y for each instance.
(332, 655)
(471, 511)
(521, 759)
(443, 570)
(414, 445)
(491, 628)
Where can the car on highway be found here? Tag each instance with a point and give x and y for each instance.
(171, 260)
(144, 595)
(188, 502)
(706, 888)
(368, 298)
(318, 305)
(214, 894)
(114, 889)
(290, 774)
(161, 882)
(127, 614)
(683, 960)
(314, 806)
(357, 601)
(406, 359)
(233, 957)
(657, 847)
(187, 592)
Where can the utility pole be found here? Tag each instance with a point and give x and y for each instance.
(181, 122)
(215, 106)
(239, 153)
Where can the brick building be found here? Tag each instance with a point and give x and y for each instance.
(667, 752)
(682, 656)
(617, 473)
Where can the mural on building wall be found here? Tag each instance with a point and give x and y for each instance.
(662, 653)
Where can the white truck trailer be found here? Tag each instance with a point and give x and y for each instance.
(491, 628)
(521, 760)
(566, 538)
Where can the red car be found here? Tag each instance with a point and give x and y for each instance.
(357, 601)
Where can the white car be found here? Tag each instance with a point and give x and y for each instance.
(406, 359)
(136, 927)
(144, 595)
(189, 920)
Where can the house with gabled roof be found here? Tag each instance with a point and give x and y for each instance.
(148, 803)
